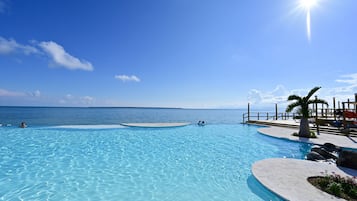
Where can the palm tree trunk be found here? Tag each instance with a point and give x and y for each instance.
(304, 127)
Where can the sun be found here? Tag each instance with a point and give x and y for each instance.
(308, 4)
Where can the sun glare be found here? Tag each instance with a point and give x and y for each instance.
(308, 4)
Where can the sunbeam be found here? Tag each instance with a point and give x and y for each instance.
(307, 5)
(308, 25)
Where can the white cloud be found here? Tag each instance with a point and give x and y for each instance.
(69, 96)
(64, 59)
(71, 100)
(277, 95)
(350, 89)
(350, 79)
(87, 100)
(36, 93)
(347, 90)
(255, 96)
(280, 95)
(9, 46)
(279, 90)
(126, 78)
(6, 93)
(55, 51)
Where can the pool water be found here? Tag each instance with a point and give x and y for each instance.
(195, 163)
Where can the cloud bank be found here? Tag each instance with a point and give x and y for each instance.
(6, 93)
(54, 51)
(77, 101)
(280, 94)
(277, 95)
(36, 93)
(349, 79)
(62, 58)
(126, 78)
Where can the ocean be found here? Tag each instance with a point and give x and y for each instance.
(54, 116)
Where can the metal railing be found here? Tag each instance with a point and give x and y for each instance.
(268, 116)
(329, 114)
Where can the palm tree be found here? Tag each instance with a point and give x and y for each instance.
(303, 104)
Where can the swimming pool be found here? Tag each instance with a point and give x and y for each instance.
(212, 162)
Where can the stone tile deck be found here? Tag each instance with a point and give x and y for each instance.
(288, 177)
(286, 133)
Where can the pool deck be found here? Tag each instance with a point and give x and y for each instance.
(286, 133)
(288, 177)
(154, 125)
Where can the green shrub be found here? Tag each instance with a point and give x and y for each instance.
(344, 187)
(323, 182)
(334, 188)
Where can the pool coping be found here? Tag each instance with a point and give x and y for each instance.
(155, 125)
(322, 138)
(288, 177)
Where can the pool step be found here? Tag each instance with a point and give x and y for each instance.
(323, 129)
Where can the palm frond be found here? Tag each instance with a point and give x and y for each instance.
(292, 106)
(294, 97)
(312, 91)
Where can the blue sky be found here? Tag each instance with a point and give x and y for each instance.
(174, 53)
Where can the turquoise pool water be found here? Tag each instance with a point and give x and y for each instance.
(185, 163)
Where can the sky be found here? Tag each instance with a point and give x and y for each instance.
(175, 53)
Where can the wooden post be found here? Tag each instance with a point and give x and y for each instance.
(258, 115)
(344, 118)
(334, 108)
(316, 109)
(348, 104)
(316, 117)
(276, 111)
(356, 102)
(248, 112)
(267, 115)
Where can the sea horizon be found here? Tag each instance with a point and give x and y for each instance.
(54, 116)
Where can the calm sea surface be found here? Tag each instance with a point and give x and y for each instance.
(48, 116)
